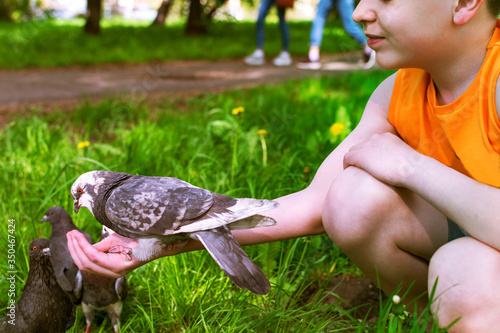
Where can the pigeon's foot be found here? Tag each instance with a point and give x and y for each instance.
(87, 330)
(123, 250)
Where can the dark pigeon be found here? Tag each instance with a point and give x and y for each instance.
(67, 273)
(165, 211)
(43, 306)
(103, 293)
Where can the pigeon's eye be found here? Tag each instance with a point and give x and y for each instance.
(79, 191)
(51, 213)
(34, 248)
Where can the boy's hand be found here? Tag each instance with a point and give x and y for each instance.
(386, 157)
(93, 259)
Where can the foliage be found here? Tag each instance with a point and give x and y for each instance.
(49, 43)
(194, 139)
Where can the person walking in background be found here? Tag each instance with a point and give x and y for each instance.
(345, 9)
(257, 57)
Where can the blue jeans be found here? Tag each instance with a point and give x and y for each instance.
(265, 5)
(345, 9)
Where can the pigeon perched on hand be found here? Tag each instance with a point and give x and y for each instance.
(103, 293)
(67, 273)
(43, 306)
(166, 211)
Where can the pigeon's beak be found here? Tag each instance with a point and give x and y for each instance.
(44, 219)
(77, 206)
(46, 251)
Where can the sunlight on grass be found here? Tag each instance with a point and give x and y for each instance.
(194, 139)
(50, 43)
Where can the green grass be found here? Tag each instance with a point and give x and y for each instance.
(52, 43)
(200, 141)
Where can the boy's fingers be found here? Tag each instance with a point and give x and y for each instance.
(86, 257)
(72, 251)
(112, 240)
(105, 244)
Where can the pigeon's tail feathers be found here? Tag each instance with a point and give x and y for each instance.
(231, 258)
(254, 221)
(243, 208)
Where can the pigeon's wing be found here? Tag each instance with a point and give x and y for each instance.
(231, 258)
(121, 288)
(78, 285)
(155, 205)
(239, 213)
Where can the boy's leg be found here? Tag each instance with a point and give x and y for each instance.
(389, 233)
(468, 272)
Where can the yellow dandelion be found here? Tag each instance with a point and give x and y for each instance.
(337, 129)
(83, 144)
(262, 132)
(238, 110)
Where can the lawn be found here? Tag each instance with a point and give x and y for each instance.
(199, 140)
(52, 43)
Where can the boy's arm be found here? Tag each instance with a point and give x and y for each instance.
(299, 214)
(471, 204)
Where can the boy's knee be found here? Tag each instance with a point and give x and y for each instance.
(461, 287)
(354, 204)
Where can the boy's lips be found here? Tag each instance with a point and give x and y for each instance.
(373, 40)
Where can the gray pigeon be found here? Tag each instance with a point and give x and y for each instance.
(103, 293)
(165, 211)
(67, 273)
(43, 306)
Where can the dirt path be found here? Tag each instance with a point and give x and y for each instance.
(63, 87)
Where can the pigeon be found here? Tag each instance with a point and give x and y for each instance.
(43, 306)
(163, 212)
(103, 293)
(67, 273)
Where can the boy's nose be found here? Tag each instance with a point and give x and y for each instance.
(364, 12)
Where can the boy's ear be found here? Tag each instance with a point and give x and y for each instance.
(465, 10)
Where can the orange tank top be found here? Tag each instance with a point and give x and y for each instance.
(465, 134)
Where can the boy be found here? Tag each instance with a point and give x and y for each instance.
(421, 169)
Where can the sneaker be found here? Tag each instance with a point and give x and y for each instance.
(307, 63)
(255, 59)
(283, 59)
(369, 60)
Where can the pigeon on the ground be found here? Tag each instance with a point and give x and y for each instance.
(166, 211)
(43, 306)
(103, 293)
(67, 273)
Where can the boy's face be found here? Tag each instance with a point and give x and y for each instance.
(407, 33)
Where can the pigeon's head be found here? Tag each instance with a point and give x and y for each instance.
(85, 189)
(39, 248)
(54, 215)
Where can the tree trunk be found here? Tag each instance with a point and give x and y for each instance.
(210, 15)
(5, 11)
(195, 24)
(92, 26)
(162, 13)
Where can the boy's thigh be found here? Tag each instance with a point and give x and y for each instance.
(467, 273)
(362, 204)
